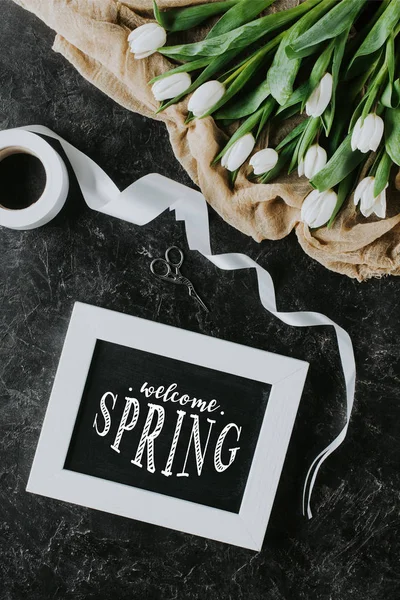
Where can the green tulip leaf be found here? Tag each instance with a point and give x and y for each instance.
(391, 95)
(295, 156)
(283, 71)
(363, 63)
(241, 37)
(298, 97)
(245, 104)
(182, 19)
(342, 163)
(390, 57)
(240, 14)
(392, 134)
(338, 54)
(382, 173)
(308, 136)
(293, 135)
(380, 32)
(335, 22)
(269, 107)
(344, 191)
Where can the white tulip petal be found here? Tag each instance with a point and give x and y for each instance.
(370, 203)
(205, 97)
(361, 189)
(140, 55)
(377, 135)
(311, 105)
(300, 169)
(225, 158)
(355, 138)
(368, 198)
(322, 159)
(315, 160)
(321, 96)
(239, 152)
(307, 209)
(309, 160)
(171, 86)
(318, 208)
(367, 135)
(380, 205)
(146, 39)
(264, 160)
(366, 212)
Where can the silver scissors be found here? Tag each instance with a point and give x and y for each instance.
(171, 272)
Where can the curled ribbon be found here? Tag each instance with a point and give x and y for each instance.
(146, 199)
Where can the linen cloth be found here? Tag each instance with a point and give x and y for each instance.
(92, 35)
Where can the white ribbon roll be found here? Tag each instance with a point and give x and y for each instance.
(146, 199)
(45, 208)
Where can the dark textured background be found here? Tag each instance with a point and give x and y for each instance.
(48, 549)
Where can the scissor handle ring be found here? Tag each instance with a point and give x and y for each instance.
(164, 263)
(172, 262)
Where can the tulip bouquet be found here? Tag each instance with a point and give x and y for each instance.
(335, 63)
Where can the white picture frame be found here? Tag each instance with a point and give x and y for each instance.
(49, 478)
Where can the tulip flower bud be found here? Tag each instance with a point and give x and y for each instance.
(369, 202)
(205, 97)
(146, 39)
(318, 208)
(264, 160)
(239, 152)
(171, 86)
(367, 135)
(314, 161)
(321, 96)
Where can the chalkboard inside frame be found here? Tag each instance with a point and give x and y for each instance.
(167, 426)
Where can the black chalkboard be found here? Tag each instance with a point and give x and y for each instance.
(234, 404)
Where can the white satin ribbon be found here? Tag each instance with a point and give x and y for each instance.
(151, 195)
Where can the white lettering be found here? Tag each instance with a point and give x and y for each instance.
(199, 453)
(218, 464)
(148, 438)
(122, 424)
(105, 413)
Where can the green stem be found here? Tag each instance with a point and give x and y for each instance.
(186, 68)
(345, 188)
(254, 58)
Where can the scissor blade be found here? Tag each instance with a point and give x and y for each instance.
(194, 294)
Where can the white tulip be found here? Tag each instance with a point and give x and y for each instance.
(314, 161)
(147, 39)
(369, 202)
(171, 86)
(239, 152)
(205, 97)
(321, 96)
(367, 135)
(264, 160)
(318, 207)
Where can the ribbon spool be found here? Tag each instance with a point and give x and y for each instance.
(49, 204)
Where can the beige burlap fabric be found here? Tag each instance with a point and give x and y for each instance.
(92, 35)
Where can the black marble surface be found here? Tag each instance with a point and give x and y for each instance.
(50, 549)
